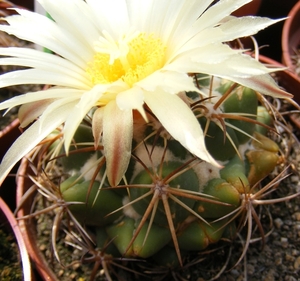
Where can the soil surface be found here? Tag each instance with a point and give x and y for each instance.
(10, 269)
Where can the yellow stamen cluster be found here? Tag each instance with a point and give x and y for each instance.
(145, 55)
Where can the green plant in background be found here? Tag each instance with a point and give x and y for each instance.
(152, 142)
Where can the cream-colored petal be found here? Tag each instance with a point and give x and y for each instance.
(212, 16)
(45, 32)
(30, 138)
(40, 56)
(207, 30)
(86, 103)
(53, 68)
(97, 125)
(132, 98)
(184, 18)
(38, 76)
(111, 16)
(179, 120)
(33, 58)
(239, 68)
(56, 104)
(244, 26)
(264, 84)
(219, 60)
(204, 40)
(173, 81)
(77, 20)
(178, 20)
(117, 141)
(28, 112)
(51, 93)
(146, 16)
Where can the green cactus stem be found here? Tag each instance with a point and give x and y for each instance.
(78, 155)
(187, 180)
(150, 239)
(94, 209)
(198, 235)
(263, 159)
(225, 139)
(234, 172)
(264, 117)
(243, 101)
(222, 191)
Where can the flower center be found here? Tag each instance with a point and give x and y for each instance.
(134, 61)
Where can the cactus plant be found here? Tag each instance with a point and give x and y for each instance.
(169, 201)
(153, 141)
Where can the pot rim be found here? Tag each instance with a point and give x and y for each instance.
(292, 83)
(291, 36)
(26, 265)
(26, 225)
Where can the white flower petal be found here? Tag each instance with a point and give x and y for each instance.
(46, 33)
(28, 112)
(30, 138)
(178, 20)
(34, 58)
(87, 101)
(244, 26)
(264, 84)
(180, 122)
(54, 106)
(132, 99)
(183, 18)
(117, 139)
(49, 67)
(51, 93)
(80, 25)
(219, 60)
(212, 16)
(97, 125)
(228, 31)
(111, 16)
(38, 76)
(172, 82)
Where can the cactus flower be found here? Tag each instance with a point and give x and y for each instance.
(117, 56)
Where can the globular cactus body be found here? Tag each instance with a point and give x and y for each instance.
(92, 209)
(187, 181)
(172, 204)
